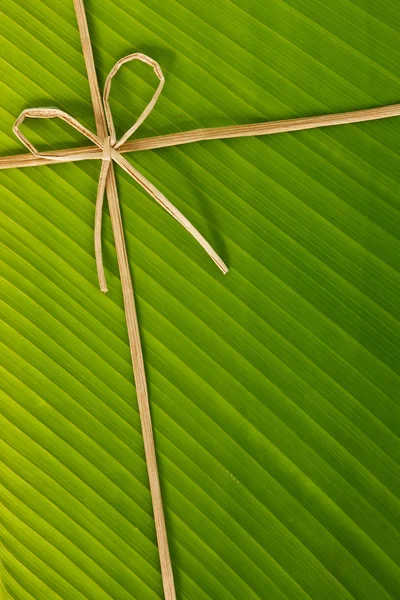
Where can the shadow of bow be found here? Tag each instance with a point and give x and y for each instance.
(213, 225)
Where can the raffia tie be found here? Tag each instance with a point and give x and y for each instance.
(109, 147)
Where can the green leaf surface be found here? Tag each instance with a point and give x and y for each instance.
(275, 389)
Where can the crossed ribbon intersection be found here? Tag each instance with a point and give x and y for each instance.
(110, 146)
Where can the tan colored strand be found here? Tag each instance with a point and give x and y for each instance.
(101, 125)
(211, 133)
(131, 319)
(170, 208)
(107, 88)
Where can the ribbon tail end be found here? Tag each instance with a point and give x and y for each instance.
(102, 279)
(221, 265)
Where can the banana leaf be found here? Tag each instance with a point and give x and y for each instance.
(274, 389)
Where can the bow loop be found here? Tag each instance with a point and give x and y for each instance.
(51, 113)
(107, 88)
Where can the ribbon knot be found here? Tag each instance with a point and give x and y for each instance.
(110, 145)
(107, 148)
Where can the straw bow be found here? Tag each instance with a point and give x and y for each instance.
(110, 145)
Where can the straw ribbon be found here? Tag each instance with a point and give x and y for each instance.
(109, 146)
